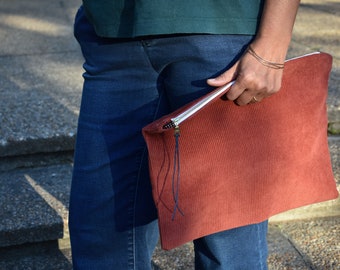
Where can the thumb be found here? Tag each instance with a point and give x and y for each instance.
(224, 78)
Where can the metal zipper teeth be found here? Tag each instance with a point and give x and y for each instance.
(195, 108)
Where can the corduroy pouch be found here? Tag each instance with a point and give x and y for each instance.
(216, 166)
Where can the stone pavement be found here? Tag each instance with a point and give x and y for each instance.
(40, 88)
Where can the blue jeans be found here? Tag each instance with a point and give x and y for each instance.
(128, 84)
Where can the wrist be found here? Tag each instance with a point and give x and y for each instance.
(264, 62)
(272, 49)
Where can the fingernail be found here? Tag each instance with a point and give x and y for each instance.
(211, 80)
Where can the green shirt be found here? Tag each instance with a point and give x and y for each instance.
(132, 18)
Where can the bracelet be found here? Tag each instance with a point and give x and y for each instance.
(263, 61)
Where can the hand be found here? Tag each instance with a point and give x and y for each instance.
(254, 81)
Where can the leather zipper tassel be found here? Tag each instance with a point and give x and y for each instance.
(176, 174)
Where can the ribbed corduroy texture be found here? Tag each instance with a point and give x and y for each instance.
(241, 165)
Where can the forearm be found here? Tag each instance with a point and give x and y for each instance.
(275, 30)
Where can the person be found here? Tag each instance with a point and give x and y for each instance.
(144, 59)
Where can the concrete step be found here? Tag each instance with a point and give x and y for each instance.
(39, 111)
(40, 75)
(11, 163)
(47, 255)
(34, 204)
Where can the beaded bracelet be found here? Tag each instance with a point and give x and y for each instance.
(263, 61)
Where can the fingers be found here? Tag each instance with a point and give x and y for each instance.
(224, 78)
(248, 91)
(247, 97)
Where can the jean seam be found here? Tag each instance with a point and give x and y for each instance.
(139, 160)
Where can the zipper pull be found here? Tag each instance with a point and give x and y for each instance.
(177, 132)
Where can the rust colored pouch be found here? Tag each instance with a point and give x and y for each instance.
(216, 166)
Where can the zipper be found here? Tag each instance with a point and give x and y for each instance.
(176, 121)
